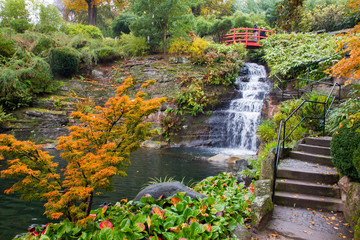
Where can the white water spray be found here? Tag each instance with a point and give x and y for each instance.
(233, 130)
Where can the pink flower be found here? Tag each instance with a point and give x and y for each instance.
(105, 224)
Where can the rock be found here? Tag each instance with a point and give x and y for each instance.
(220, 158)
(352, 204)
(267, 166)
(153, 144)
(241, 165)
(245, 179)
(34, 113)
(97, 75)
(344, 184)
(262, 79)
(241, 232)
(245, 79)
(261, 211)
(243, 71)
(178, 59)
(167, 189)
(263, 187)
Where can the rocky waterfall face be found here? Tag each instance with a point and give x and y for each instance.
(233, 127)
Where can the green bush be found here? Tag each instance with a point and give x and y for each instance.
(13, 92)
(44, 44)
(344, 144)
(44, 28)
(4, 118)
(107, 54)
(80, 29)
(20, 25)
(64, 61)
(37, 75)
(134, 46)
(121, 24)
(342, 112)
(7, 48)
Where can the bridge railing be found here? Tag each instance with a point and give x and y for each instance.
(248, 36)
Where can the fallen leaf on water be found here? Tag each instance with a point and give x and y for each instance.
(336, 228)
(312, 222)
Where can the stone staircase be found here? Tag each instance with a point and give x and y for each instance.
(307, 178)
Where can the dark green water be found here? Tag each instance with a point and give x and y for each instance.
(16, 215)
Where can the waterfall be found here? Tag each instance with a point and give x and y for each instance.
(233, 130)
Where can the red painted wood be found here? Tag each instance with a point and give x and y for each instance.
(246, 36)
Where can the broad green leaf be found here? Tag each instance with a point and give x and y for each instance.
(195, 228)
(106, 234)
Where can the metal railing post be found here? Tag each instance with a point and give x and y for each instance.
(284, 134)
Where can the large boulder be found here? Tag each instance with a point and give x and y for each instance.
(167, 189)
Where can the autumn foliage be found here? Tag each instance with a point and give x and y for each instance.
(97, 149)
(349, 66)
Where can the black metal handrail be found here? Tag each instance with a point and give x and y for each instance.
(282, 137)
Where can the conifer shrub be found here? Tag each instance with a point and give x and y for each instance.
(13, 92)
(80, 29)
(37, 74)
(107, 54)
(45, 28)
(64, 61)
(344, 146)
(7, 48)
(20, 25)
(43, 44)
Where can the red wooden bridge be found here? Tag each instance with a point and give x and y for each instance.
(248, 36)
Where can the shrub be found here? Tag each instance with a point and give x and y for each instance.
(134, 46)
(342, 112)
(4, 118)
(267, 131)
(20, 25)
(43, 44)
(7, 48)
(107, 54)
(64, 61)
(80, 29)
(44, 28)
(197, 49)
(179, 46)
(121, 24)
(344, 144)
(37, 74)
(13, 92)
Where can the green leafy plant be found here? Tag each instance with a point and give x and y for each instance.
(80, 29)
(342, 112)
(170, 123)
(175, 217)
(293, 55)
(134, 46)
(107, 54)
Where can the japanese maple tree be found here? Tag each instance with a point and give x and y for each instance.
(349, 66)
(97, 149)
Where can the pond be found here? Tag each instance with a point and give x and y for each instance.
(16, 215)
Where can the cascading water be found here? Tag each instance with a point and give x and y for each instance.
(233, 130)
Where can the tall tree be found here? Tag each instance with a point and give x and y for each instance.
(155, 17)
(96, 150)
(289, 13)
(12, 10)
(91, 6)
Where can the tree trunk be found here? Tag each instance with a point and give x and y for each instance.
(164, 38)
(92, 12)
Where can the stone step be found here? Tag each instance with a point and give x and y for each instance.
(310, 188)
(310, 157)
(321, 141)
(314, 149)
(307, 201)
(307, 171)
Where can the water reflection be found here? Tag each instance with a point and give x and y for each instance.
(16, 215)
